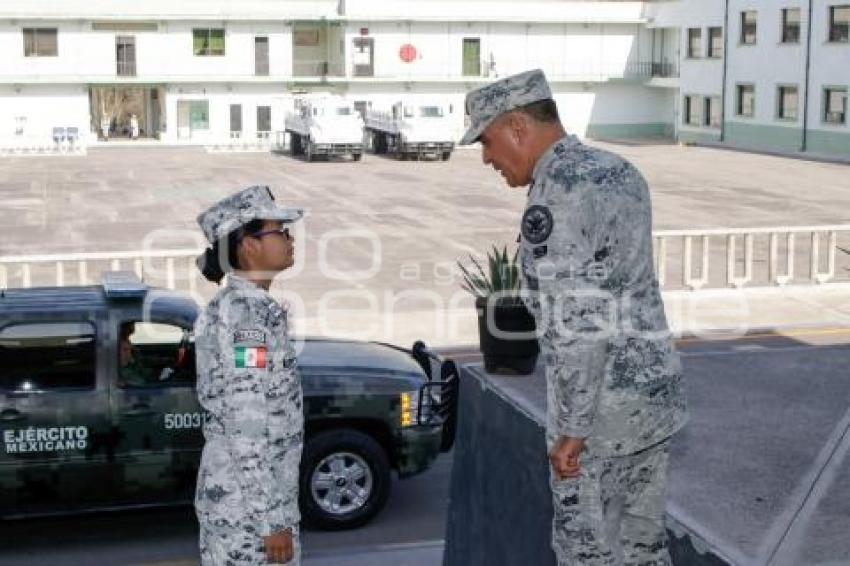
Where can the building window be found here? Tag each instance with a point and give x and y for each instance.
(711, 113)
(691, 113)
(471, 57)
(264, 118)
(199, 115)
(47, 355)
(746, 103)
(715, 42)
(363, 56)
(41, 42)
(835, 105)
(208, 42)
(839, 24)
(235, 120)
(125, 55)
(791, 25)
(787, 102)
(748, 28)
(694, 43)
(261, 56)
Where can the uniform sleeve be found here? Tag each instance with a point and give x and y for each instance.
(255, 421)
(566, 267)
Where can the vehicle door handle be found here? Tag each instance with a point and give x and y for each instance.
(138, 410)
(11, 415)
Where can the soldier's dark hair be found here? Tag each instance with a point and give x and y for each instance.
(126, 330)
(209, 262)
(544, 111)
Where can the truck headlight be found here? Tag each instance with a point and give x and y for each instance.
(409, 406)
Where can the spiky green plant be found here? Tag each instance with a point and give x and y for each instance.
(502, 276)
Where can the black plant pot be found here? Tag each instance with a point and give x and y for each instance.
(508, 342)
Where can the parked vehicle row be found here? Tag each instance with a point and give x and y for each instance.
(331, 126)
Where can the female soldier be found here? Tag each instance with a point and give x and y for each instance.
(247, 492)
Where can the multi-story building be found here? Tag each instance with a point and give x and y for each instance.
(208, 71)
(764, 74)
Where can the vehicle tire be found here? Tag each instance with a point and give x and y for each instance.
(295, 143)
(309, 150)
(399, 149)
(356, 156)
(330, 496)
(446, 155)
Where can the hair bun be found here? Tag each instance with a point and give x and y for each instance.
(209, 265)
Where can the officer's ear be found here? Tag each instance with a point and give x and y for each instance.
(517, 126)
(248, 249)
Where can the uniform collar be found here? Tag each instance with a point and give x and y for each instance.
(566, 143)
(241, 284)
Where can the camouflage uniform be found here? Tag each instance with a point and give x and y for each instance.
(249, 387)
(613, 375)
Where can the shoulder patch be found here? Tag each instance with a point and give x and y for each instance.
(249, 336)
(537, 224)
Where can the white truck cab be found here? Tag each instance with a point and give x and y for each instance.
(411, 129)
(328, 125)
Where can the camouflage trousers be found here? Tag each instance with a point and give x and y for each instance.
(233, 545)
(613, 513)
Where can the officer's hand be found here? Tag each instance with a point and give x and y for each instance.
(279, 547)
(565, 457)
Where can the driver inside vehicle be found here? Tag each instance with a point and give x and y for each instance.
(132, 372)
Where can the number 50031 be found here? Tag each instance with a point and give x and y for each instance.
(183, 420)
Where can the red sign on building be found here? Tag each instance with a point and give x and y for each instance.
(407, 53)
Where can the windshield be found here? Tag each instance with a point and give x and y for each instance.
(430, 112)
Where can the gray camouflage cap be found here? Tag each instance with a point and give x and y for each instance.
(253, 203)
(485, 104)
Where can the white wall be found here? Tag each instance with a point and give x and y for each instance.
(496, 10)
(220, 97)
(831, 67)
(768, 63)
(90, 55)
(565, 51)
(44, 108)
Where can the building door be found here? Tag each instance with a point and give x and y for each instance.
(154, 113)
(184, 129)
(235, 120)
(471, 57)
(125, 55)
(264, 121)
(261, 56)
(364, 57)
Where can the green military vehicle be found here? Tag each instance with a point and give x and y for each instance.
(98, 407)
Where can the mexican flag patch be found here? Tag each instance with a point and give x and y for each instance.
(250, 357)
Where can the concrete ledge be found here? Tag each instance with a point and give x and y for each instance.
(755, 476)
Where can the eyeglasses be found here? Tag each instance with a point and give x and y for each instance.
(282, 231)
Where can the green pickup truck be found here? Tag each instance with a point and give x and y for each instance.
(98, 407)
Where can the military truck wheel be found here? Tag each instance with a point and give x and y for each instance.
(356, 156)
(446, 155)
(308, 150)
(345, 479)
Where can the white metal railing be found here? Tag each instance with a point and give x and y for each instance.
(177, 265)
(737, 276)
(780, 246)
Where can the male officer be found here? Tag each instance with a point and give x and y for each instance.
(247, 492)
(612, 373)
